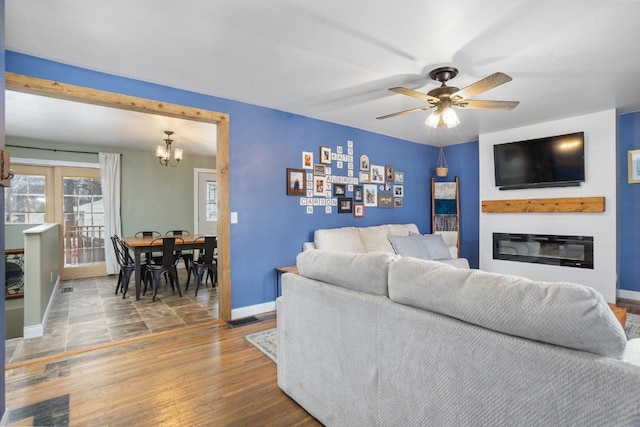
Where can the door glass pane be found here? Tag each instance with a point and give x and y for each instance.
(212, 201)
(24, 201)
(83, 213)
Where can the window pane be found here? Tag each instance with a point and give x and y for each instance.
(212, 201)
(24, 201)
(83, 214)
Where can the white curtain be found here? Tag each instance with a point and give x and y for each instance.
(110, 179)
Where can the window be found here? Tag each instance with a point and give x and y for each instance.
(212, 201)
(25, 200)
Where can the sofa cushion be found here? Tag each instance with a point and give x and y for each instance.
(359, 272)
(429, 246)
(374, 238)
(344, 239)
(560, 313)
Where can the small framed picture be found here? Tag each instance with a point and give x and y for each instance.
(397, 202)
(398, 190)
(319, 170)
(370, 195)
(307, 160)
(377, 173)
(339, 189)
(398, 177)
(325, 155)
(358, 193)
(319, 184)
(364, 162)
(385, 201)
(345, 205)
(388, 173)
(634, 166)
(296, 182)
(358, 210)
(364, 177)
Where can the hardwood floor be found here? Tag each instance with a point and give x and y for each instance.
(201, 375)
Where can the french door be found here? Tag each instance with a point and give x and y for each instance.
(79, 209)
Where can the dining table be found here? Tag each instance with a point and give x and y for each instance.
(143, 244)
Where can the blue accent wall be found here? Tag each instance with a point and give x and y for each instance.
(263, 143)
(462, 160)
(628, 206)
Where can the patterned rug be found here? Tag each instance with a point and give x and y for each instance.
(266, 342)
(633, 326)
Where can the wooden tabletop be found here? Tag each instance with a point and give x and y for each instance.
(132, 241)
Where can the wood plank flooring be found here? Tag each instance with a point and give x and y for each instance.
(202, 375)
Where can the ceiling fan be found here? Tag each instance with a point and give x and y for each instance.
(445, 97)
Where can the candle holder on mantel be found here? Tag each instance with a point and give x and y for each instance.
(441, 166)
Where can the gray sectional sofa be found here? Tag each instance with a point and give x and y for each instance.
(375, 339)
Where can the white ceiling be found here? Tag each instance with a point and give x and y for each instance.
(334, 60)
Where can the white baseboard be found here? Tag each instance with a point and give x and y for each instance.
(622, 293)
(252, 310)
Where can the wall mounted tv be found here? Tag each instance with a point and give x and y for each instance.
(555, 161)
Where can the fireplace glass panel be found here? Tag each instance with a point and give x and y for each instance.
(566, 251)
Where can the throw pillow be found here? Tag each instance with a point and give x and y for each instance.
(429, 246)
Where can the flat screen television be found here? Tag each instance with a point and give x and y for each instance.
(555, 161)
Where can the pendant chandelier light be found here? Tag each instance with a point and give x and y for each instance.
(164, 154)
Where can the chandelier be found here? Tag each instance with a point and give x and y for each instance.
(164, 154)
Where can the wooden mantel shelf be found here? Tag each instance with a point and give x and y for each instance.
(568, 204)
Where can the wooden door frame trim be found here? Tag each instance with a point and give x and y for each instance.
(34, 85)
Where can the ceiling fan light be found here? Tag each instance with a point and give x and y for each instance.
(433, 120)
(450, 118)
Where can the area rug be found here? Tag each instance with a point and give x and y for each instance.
(633, 326)
(266, 342)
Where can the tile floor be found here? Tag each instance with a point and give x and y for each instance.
(92, 314)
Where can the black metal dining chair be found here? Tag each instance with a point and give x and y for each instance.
(127, 266)
(186, 256)
(206, 261)
(166, 266)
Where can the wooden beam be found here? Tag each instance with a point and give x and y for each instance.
(568, 204)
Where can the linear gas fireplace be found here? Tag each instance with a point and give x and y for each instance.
(566, 251)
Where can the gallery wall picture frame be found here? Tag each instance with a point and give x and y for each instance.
(339, 189)
(307, 160)
(389, 173)
(364, 162)
(296, 182)
(398, 177)
(358, 193)
(398, 190)
(325, 155)
(319, 184)
(397, 202)
(319, 170)
(377, 173)
(370, 195)
(634, 166)
(345, 205)
(385, 201)
(364, 177)
(358, 210)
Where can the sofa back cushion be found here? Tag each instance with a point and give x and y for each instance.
(345, 239)
(375, 238)
(560, 313)
(359, 272)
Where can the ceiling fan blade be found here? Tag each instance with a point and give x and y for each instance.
(415, 94)
(399, 113)
(494, 80)
(487, 105)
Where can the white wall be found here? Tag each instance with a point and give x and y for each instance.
(600, 165)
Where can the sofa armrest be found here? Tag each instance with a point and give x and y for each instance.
(308, 245)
